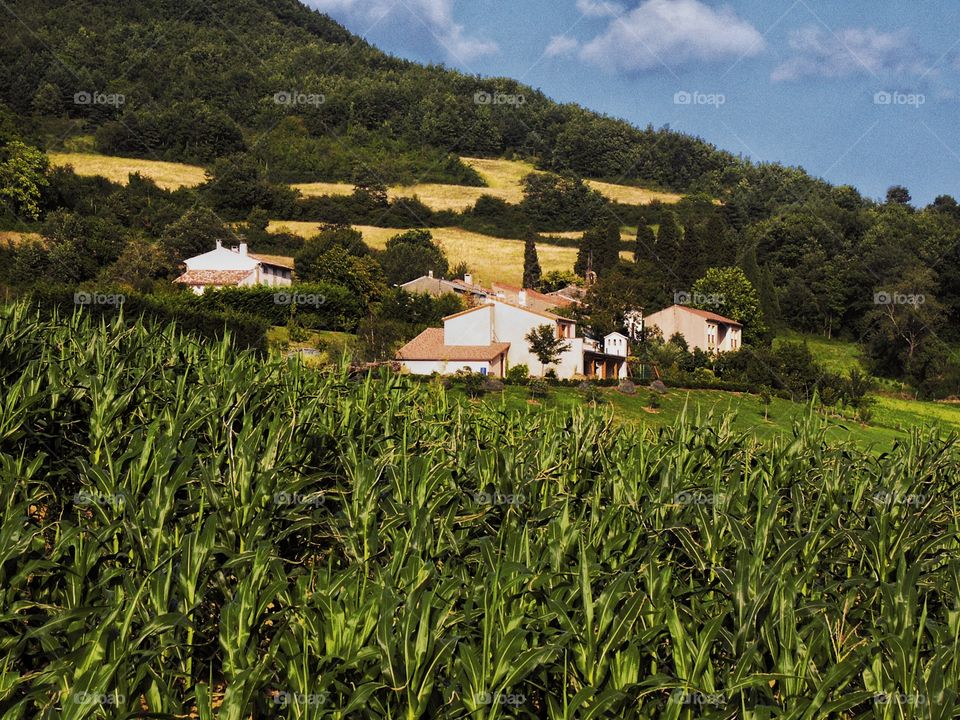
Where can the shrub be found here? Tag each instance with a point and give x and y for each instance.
(538, 388)
(518, 375)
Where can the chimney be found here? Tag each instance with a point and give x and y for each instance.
(523, 298)
(243, 249)
(430, 273)
(468, 278)
(219, 244)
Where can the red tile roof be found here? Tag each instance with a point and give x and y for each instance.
(213, 277)
(554, 300)
(709, 315)
(429, 345)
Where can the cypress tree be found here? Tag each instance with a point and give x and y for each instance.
(531, 263)
(646, 241)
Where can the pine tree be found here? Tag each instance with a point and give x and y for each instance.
(531, 263)
(668, 246)
(646, 241)
(691, 265)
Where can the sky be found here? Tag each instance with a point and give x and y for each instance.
(859, 92)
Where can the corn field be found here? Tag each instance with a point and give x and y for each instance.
(191, 531)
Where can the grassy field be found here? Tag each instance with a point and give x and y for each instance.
(167, 175)
(490, 259)
(503, 181)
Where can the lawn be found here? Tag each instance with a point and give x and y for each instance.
(168, 175)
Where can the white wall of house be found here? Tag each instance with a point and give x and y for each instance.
(512, 324)
(222, 258)
(470, 328)
(275, 276)
(698, 331)
(448, 367)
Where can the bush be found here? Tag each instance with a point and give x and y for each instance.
(473, 384)
(538, 388)
(653, 401)
(518, 375)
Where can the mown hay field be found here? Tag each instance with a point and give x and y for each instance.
(188, 531)
(490, 259)
(168, 175)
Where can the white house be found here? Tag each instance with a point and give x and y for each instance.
(491, 338)
(223, 267)
(700, 328)
(473, 293)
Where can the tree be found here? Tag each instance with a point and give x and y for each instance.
(646, 240)
(898, 195)
(412, 255)
(363, 276)
(735, 297)
(23, 175)
(600, 247)
(531, 263)
(546, 345)
(140, 264)
(195, 233)
(667, 249)
(343, 236)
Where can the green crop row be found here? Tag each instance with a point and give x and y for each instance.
(189, 530)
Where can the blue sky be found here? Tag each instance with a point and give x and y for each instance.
(858, 92)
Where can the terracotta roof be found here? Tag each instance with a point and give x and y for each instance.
(708, 315)
(429, 345)
(213, 277)
(555, 300)
(276, 260)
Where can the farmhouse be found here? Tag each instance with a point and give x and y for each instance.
(491, 338)
(524, 297)
(472, 293)
(223, 267)
(700, 328)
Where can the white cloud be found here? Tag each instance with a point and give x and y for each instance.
(850, 52)
(599, 8)
(672, 33)
(433, 16)
(561, 45)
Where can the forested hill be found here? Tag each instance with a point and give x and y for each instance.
(201, 79)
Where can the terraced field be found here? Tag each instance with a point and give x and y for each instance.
(491, 259)
(168, 175)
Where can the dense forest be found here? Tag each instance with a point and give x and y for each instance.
(267, 92)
